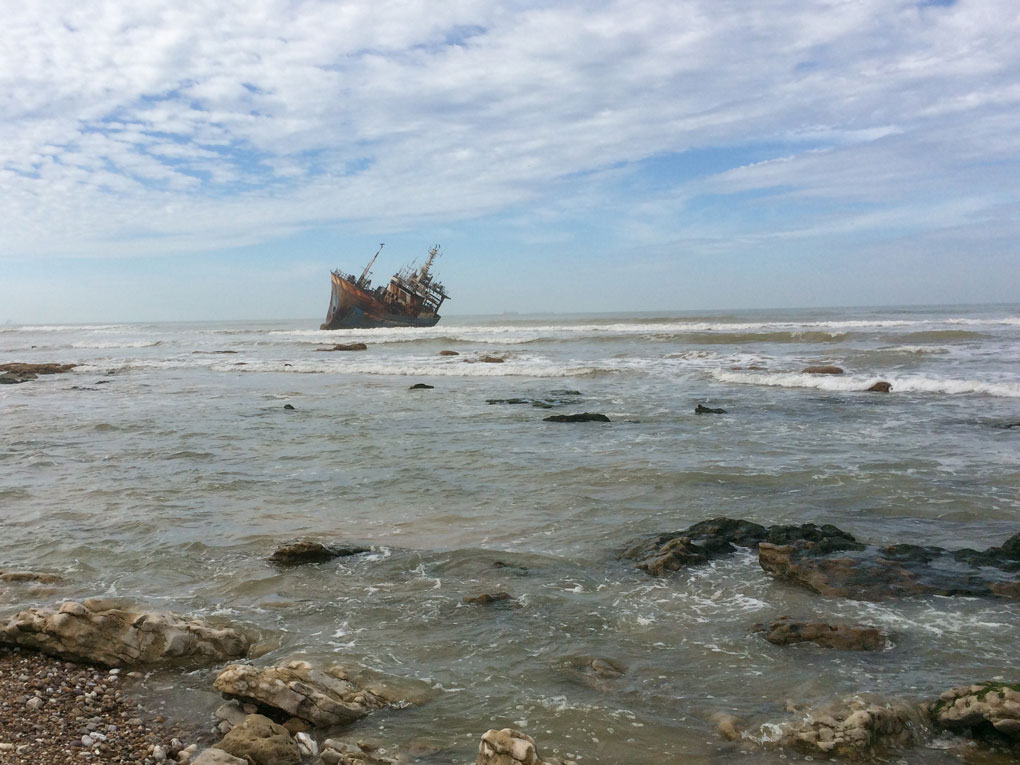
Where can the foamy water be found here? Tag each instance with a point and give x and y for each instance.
(165, 471)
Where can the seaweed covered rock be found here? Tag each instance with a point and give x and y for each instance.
(980, 710)
(844, 637)
(707, 540)
(97, 632)
(879, 573)
(307, 551)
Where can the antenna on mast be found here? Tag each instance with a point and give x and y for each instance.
(364, 274)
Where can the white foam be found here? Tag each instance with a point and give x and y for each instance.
(847, 383)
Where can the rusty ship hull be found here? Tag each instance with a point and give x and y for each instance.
(411, 299)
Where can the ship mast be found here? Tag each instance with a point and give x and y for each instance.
(364, 274)
(433, 252)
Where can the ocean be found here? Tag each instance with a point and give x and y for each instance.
(165, 469)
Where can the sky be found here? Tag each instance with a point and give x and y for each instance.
(214, 160)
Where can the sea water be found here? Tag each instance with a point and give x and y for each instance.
(165, 469)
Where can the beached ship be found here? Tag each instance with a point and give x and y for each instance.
(411, 299)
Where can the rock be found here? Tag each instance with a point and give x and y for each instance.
(583, 417)
(593, 672)
(449, 353)
(728, 726)
(30, 371)
(554, 398)
(29, 576)
(93, 631)
(880, 387)
(307, 551)
(214, 756)
(855, 730)
(878, 573)
(260, 741)
(306, 745)
(289, 407)
(511, 747)
(492, 359)
(700, 409)
(843, 637)
(486, 599)
(421, 386)
(323, 698)
(825, 369)
(338, 752)
(707, 540)
(345, 347)
(980, 710)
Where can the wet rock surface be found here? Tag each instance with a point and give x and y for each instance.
(421, 386)
(880, 387)
(582, 417)
(702, 409)
(857, 729)
(822, 369)
(345, 347)
(548, 401)
(878, 573)
(56, 712)
(511, 747)
(844, 637)
(97, 632)
(707, 540)
(15, 577)
(980, 711)
(17, 372)
(489, 598)
(309, 551)
(260, 741)
(323, 698)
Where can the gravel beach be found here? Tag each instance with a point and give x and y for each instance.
(54, 712)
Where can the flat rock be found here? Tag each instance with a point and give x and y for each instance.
(822, 369)
(214, 756)
(844, 637)
(878, 573)
(323, 698)
(92, 631)
(260, 741)
(582, 417)
(308, 551)
(979, 710)
(711, 539)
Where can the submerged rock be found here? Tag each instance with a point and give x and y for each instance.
(307, 551)
(260, 741)
(701, 409)
(421, 386)
(323, 698)
(582, 417)
(93, 631)
(29, 576)
(980, 710)
(554, 398)
(487, 599)
(880, 387)
(19, 368)
(511, 747)
(822, 369)
(844, 637)
(707, 540)
(856, 729)
(345, 347)
(878, 573)
(492, 359)
(449, 353)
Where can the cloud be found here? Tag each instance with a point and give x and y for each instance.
(187, 126)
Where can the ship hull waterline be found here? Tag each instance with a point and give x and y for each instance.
(353, 308)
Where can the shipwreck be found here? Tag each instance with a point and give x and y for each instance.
(411, 299)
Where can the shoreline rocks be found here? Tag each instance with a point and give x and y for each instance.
(95, 631)
(980, 710)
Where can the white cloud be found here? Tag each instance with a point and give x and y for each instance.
(254, 119)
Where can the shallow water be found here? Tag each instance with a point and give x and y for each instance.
(164, 471)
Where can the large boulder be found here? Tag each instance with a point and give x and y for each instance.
(511, 747)
(878, 573)
(97, 632)
(978, 710)
(844, 637)
(324, 698)
(707, 540)
(260, 741)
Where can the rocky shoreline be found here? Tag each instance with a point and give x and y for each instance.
(66, 671)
